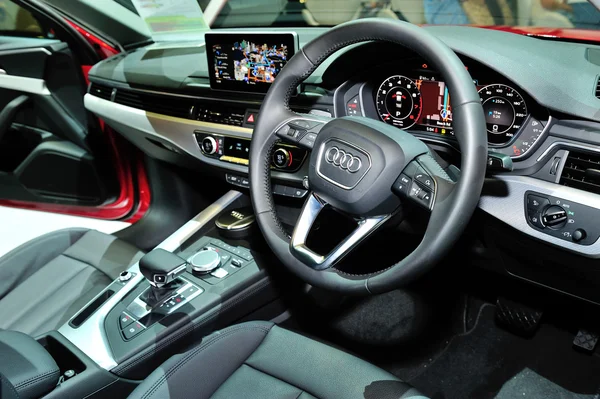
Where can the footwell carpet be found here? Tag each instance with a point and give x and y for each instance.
(488, 362)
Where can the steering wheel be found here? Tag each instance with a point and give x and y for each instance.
(366, 168)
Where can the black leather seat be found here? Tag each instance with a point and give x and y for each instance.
(47, 280)
(260, 360)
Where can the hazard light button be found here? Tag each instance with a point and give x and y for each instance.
(250, 118)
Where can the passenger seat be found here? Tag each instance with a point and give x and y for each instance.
(46, 281)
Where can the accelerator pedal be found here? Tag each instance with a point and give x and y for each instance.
(517, 318)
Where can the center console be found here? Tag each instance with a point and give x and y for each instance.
(193, 283)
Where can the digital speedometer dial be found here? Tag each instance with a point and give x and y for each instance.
(399, 101)
(505, 111)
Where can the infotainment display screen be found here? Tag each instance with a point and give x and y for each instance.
(247, 62)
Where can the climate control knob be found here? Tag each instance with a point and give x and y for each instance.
(282, 158)
(205, 261)
(209, 145)
(554, 217)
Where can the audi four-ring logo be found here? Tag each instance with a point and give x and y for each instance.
(343, 160)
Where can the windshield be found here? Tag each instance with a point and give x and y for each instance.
(300, 13)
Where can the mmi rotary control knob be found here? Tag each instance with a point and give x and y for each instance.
(205, 261)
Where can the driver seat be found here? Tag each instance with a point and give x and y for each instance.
(260, 360)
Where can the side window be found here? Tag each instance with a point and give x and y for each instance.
(17, 21)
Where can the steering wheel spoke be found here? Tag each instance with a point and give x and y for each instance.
(301, 129)
(311, 210)
(423, 181)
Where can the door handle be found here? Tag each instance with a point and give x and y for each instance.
(7, 115)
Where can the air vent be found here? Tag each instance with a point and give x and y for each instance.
(582, 171)
(101, 91)
(215, 114)
(160, 104)
(177, 106)
(598, 88)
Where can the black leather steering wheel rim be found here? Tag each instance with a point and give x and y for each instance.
(451, 212)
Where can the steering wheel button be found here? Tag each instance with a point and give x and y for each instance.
(302, 124)
(415, 190)
(402, 184)
(279, 189)
(284, 130)
(424, 179)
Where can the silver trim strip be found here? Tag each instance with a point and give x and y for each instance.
(23, 84)
(510, 208)
(177, 132)
(310, 212)
(566, 145)
(23, 51)
(90, 337)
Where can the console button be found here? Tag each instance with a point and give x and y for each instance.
(237, 263)
(220, 273)
(133, 330)
(536, 203)
(578, 235)
(535, 218)
(125, 320)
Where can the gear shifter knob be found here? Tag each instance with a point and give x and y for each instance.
(161, 267)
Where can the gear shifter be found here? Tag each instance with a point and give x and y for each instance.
(161, 268)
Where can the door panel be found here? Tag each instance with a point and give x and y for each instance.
(45, 138)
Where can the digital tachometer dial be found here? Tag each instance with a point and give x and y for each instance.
(399, 101)
(505, 111)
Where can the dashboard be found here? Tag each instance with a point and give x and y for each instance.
(415, 98)
(540, 97)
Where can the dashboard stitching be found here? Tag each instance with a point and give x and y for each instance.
(440, 172)
(365, 274)
(295, 84)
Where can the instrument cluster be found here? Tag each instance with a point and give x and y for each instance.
(418, 100)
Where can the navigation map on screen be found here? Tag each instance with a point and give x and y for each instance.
(248, 63)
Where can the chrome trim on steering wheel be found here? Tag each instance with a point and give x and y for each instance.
(311, 210)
